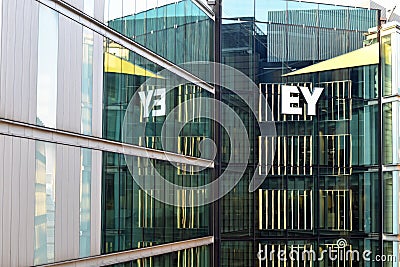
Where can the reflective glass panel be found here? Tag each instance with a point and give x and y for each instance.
(47, 67)
(45, 201)
(87, 82)
(85, 202)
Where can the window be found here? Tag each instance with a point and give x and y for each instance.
(87, 83)
(336, 103)
(335, 153)
(84, 202)
(336, 208)
(47, 68)
(293, 155)
(45, 202)
(285, 209)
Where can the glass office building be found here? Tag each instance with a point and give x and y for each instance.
(71, 72)
(333, 176)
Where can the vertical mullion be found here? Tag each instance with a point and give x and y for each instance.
(305, 209)
(338, 153)
(284, 209)
(260, 209)
(273, 208)
(292, 208)
(304, 154)
(298, 154)
(266, 209)
(311, 210)
(351, 210)
(311, 155)
(266, 155)
(338, 99)
(140, 208)
(291, 155)
(260, 139)
(284, 155)
(332, 101)
(298, 209)
(279, 208)
(279, 98)
(273, 99)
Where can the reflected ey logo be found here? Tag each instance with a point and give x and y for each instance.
(153, 101)
(291, 99)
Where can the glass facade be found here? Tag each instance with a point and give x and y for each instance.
(124, 71)
(87, 83)
(132, 218)
(85, 202)
(176, 30)
(324, 183)
(180, 32)
(124, 74)
(70, 175)
(266, 39)
(390, 132)
(73, 62)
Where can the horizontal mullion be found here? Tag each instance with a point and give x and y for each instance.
(29, 131)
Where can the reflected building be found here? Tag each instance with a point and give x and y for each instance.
(329, 179)
(68, 195)
(73, 165)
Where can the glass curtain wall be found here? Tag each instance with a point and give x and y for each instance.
(324, 181)
(180, 32)
(125, 73)
(391, 131)
(176, 30)
(270, 38)
(132, 218)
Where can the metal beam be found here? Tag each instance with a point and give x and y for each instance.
(131, 255)
(205, 8)
(23, 130)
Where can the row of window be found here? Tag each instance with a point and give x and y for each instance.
(294, 154)
(295, 209)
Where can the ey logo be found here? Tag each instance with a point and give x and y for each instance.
(291, 101)
(153, 101)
